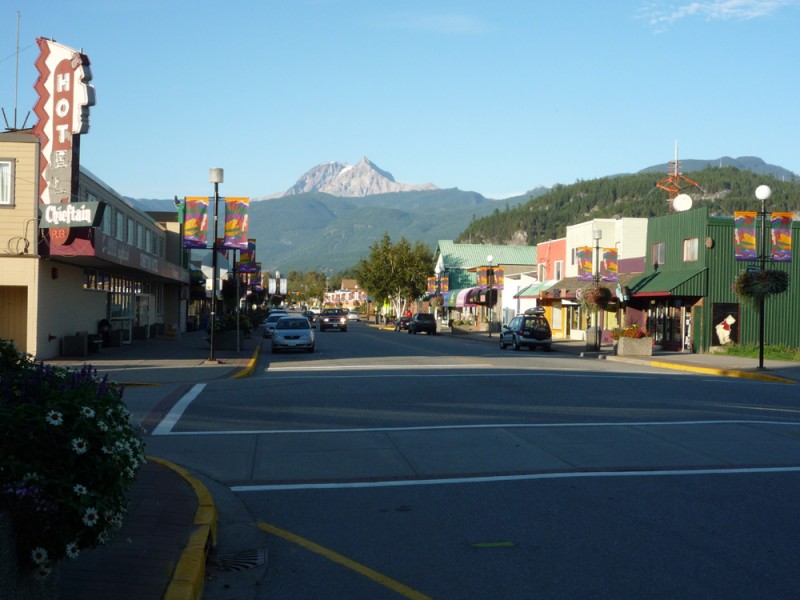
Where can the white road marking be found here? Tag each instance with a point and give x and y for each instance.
(502, 478)
(168, 422)
(485, 426)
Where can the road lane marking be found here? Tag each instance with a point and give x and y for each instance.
(174, 415)
(507, 478)
(485, 426)
(379, 578)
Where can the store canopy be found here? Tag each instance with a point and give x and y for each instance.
(457, 298)
(534, 289)
(690, 282)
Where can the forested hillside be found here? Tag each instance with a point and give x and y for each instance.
(540, 219)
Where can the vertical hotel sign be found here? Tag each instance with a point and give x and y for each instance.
(65, 96)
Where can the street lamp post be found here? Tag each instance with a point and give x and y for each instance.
(763, 192)
(215, 176)
(489, 282)
(597, 235)
(437, 273)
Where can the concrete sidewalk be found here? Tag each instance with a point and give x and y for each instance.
(163, 546)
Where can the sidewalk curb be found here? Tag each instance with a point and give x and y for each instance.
(189, 575)
(660, 364)
(251, 366)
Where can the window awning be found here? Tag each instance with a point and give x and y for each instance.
(457, 298)
(534, 289)
(691, 282)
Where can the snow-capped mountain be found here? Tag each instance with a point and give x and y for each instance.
(342, 179)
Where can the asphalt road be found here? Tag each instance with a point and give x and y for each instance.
(389, 465)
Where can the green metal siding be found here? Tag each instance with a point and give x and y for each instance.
(672, 229)
(782, 311)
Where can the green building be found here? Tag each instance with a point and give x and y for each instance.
(685, 297)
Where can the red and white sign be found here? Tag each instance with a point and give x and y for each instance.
(63, 111)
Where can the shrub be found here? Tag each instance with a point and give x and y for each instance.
(70, 455)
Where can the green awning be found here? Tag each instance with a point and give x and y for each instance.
(691, 282)
(534, 289)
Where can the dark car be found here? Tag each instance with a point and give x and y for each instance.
(402, 324)
(311, 316)
(333, 318)
(422, 322)
(530, 329)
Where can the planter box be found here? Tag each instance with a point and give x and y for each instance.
(634, 346)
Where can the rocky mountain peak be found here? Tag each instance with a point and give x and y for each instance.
(364, 178)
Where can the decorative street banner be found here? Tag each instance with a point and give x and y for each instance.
(583, 256)
(782, 237)
(744, 236)
(431, 281)
(195, 225)
(444, 284)
(247, 259)
(609, 268)
(236, 223)
(498, 277)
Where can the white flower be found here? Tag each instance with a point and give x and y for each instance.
(80, 490)
(90, 517)
(101, 425)
(31, 476)
(39, 555)
(106, 450)
(86, 411)
(54, 417)
(79, 445)
(73, 551)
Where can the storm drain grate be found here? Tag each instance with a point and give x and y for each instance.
(240, 561)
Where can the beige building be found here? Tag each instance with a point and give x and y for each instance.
(65, 289)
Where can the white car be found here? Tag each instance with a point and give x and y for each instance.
(292, 333)
(353, 315)
(272, 319)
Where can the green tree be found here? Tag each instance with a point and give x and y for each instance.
(395, 272)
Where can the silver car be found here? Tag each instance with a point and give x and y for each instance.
(272, 320)
(293, 333)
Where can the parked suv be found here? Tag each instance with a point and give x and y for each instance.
(530, 329)
(422, 322)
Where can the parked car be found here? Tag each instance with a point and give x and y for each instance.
(271, 321)
(293, 333)
(401, 324)
(333, 318)
(530, 329)
(422, 322)
(311, 316)
(353, 315)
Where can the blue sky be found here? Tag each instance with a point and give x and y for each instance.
(494, 96)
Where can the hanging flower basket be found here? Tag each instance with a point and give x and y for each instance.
(597, 296)
(753, 286)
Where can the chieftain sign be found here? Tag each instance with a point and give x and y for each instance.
(65, 96)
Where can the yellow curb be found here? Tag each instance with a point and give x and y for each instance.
(251, 366)
(189, 575)
(723, 372)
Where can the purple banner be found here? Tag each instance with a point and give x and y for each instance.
(195, 224)
(236, 223)
(609, 268)
(583, 256)
(782, 237)
(744, 235)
